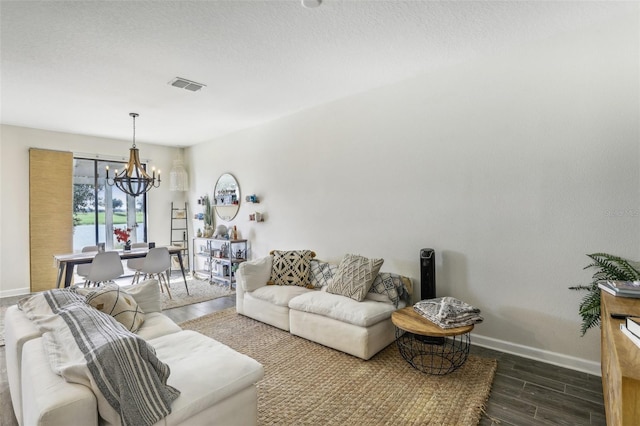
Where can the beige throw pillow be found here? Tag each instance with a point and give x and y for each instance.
(355, 276)
(111, 300)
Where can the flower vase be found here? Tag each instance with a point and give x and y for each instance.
(127, 246)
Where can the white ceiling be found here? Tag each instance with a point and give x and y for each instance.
(82, 66)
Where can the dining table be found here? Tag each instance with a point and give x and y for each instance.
(66, 263)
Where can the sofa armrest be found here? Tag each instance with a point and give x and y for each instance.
(47, 399)
(253, 274)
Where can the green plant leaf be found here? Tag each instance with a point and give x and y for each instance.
(609, 267)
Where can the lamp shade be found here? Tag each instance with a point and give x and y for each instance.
(178, 177)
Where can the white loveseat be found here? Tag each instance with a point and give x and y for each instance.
(359, 328)
(216, 383)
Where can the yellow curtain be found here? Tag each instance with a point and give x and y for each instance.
(50, 213)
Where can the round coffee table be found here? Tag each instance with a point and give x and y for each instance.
(426, 346)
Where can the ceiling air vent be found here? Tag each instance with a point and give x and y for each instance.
(183, 83)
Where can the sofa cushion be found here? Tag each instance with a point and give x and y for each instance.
(157, 324)
(278, 295)
(111, 300)
(355, 276)
(205, 370)
(255, 273)
(291, 267)
(363, 314)
(321, 273)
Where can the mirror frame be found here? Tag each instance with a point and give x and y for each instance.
(226, 204)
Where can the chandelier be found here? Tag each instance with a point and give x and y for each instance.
(134, 180)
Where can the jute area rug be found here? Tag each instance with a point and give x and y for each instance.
(309, 384)
(199, 291)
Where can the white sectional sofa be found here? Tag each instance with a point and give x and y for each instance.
(216, 383)
(359, 328)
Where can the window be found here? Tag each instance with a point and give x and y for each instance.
(99, 208)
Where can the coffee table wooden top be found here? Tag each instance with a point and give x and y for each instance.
(409, 320)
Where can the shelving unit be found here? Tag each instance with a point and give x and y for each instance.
(180, 233)
(217, 260)
(620, 362)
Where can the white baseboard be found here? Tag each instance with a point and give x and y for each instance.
(15, 292)
(554, 358)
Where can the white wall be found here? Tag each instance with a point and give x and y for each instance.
(512, 168)
(14, 193)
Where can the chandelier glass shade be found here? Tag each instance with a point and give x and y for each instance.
(134, 179)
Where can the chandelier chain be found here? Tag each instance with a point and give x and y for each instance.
(134, 115)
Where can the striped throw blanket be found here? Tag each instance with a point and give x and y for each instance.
(89, 347)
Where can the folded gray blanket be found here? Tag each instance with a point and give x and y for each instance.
(448, 312)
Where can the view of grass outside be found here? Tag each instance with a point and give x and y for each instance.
(119, 218)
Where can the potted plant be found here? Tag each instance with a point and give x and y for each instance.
(123, 236)
(609, 267)
(208, 217)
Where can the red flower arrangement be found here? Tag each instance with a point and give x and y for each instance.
(123, 235)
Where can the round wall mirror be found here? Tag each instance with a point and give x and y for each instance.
(226, 197)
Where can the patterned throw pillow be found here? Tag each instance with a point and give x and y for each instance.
(386, 284)
(111, 300)
(390, 285)
(355, 276)
(322, 273)
(291, 267)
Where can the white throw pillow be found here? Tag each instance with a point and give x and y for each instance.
(147, 295)
(255, 274)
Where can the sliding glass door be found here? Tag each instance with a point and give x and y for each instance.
(98, 208)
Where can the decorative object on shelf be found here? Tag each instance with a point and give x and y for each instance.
(199, 233)
(227, 197)
(610, 267)
(233, 233)
(221, 232)
(134, 180)
(253, 198)
(178, 177)
(123, 236)
(257, 217)
(208, 217)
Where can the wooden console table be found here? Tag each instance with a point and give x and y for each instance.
(620, 362)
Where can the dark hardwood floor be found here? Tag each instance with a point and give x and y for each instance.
(524, 392)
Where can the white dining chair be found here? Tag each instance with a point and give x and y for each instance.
(106, 266)
(83, 270)
(158, 264)
(136, 264)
